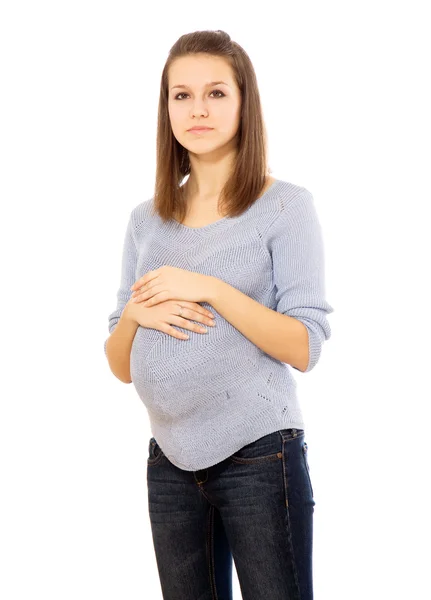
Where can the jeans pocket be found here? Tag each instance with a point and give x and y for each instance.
(291, 434)
(266, 448)
(155, 453)
(307, 466)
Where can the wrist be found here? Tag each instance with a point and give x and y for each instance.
(127, 314)
(214, 289)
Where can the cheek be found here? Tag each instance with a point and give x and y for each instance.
(175, 114)
(230, 119)
(176, 124)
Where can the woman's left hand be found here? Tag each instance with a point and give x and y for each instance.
(171, 283)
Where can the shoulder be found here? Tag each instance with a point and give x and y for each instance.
(288, 205)
(141, 213)
(280, 198)
(288, 192)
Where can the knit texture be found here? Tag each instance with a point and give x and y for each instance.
(214, 393)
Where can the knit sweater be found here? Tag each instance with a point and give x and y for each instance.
(212, 394)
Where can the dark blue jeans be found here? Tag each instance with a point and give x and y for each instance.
(256, 508)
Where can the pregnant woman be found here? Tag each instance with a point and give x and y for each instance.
(222, 297)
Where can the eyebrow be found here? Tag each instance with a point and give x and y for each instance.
(182, 85)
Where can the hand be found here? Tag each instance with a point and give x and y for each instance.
(166, 317)
(171, 283)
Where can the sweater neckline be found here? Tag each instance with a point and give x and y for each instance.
(182, 227)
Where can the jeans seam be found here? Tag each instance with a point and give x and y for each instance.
(289, 530)
(304, 454)
(210, 542)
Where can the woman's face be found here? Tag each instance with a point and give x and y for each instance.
(192, 101)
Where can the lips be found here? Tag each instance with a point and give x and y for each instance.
(200, 129)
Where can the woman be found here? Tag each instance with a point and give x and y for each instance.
(241, 252)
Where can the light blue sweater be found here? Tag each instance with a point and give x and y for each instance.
(212, 394)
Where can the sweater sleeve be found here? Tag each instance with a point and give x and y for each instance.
(127, 279)
(296, 245)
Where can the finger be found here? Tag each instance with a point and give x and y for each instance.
(147, 294)
(145, 279)
(141, 289)
(197, 308)
(178, 334)
(157, 298)
(186, 324)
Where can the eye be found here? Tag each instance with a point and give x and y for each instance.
(185, 94)
(218, 92)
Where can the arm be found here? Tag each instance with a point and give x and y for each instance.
(295, 331)
(280, 336)
(119, 345)
(121, 326)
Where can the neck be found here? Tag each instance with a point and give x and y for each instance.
(209, 174)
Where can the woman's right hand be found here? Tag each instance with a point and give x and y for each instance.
(165, 314)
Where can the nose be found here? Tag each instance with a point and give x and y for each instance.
(199, 109)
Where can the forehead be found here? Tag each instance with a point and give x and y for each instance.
(198, 70)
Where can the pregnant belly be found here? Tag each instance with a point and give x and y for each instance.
(170, 374)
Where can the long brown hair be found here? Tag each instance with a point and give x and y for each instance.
(249, 173)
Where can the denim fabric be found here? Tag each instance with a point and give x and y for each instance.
(254, 508)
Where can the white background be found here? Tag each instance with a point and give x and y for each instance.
(346, 103)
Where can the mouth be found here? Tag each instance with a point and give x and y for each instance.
(199, 129)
